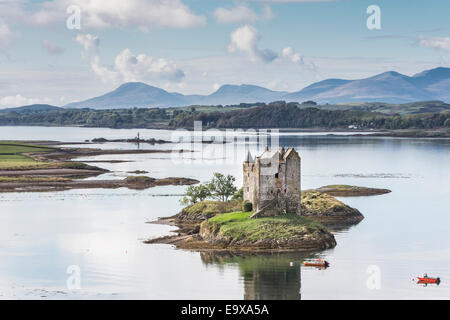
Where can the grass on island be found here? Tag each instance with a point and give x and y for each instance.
(32, 179)
(345, 187)
(238, 225)
(210, 208)
(7, 147)
(12, 156)
(348, 190)
(341, 186)
(321, 203)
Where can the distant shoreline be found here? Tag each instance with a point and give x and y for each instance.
(400, 133)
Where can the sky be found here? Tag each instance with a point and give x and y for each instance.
(62, 51)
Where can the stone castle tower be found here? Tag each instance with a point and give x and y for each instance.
(272, 182)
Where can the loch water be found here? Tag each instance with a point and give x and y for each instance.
(49, 241)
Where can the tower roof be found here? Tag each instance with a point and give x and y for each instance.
(289, 152)
(249, 158)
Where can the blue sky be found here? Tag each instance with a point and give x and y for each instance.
(194, 46)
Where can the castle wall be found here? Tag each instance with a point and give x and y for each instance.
(293, 184)
(267, 190)
(274, 178)
(251, 183)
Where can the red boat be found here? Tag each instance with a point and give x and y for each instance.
(425, 279)
(319, 263)
(428, 280)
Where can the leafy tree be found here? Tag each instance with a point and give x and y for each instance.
(238, 195)
(196, 193)
(222, 187)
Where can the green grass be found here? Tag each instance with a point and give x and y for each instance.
(211, 207)
(12, 158)
(238, 226)
(32, 179)
(19, 162)
(321, 203)
(7, 147)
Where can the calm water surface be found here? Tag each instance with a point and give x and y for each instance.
(404, 233)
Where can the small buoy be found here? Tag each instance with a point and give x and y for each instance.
(291, 264)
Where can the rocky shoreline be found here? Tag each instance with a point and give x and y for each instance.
(52, 170)
(61, 185)
(326, 209)
(196, 232)
(208, 241)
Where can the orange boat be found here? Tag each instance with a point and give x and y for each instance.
(427, 280)
(319, 263)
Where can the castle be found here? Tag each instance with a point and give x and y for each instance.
(272, 182)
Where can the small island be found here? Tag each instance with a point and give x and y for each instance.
(327, 209)
(208, 229)
(343, 190)
(216, 225)
(268, 213)
(137, 139)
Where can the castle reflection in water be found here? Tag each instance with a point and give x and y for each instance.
(266, 276)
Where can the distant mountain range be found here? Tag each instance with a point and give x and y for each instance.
(388, 87)
(138, 94)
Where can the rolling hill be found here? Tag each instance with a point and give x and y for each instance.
(32, 108)
(388, 87)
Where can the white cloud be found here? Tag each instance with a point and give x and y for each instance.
(16, 101)
(89, 43)
(143, 14)
(289, 53)
(441, 43)
(6, 35)
(241, 13)
(51, 48)
(245, 39)
(296, 58)
(129, 67)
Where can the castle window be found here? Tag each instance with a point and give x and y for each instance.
(276, 175)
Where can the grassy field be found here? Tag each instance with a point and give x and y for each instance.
(238, 225)
(32, 179)
(12, 156)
